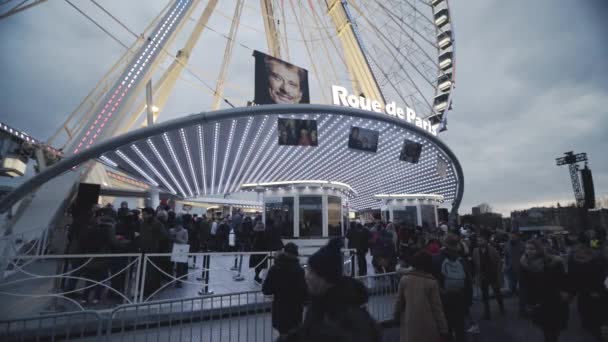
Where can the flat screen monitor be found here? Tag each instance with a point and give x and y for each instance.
(363, 139)
(296, 132)
(410, 152)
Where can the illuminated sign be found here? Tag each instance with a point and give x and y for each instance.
(341, 97)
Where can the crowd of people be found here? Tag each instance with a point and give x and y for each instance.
(104, 230)
(438, 272)
(442, 268)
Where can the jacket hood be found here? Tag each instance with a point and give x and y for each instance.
(283, 259)
(348, 292)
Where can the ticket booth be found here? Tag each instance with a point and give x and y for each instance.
(411, 209)
(305, 209)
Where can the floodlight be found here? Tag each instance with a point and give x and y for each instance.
(444, 39)
(441, 102)
(13, 165)
(444, 82)
(445, 60)
(155, 109)
(442, 17)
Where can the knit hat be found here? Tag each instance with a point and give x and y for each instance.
(327, 261)
(291, 248)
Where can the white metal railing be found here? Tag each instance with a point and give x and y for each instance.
(241, 316)
(116, 279)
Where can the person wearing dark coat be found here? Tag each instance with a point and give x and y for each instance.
(456, 287)
(286, 283)
(543, 290)
(358, 239)
(97, 239)
(586, 278)
(337, 311)
(514, 249)
(488, 269)
(259, 244)
(150, 241)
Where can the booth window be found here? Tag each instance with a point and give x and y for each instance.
(427, 213)
(334, 205)
(311, 216)
(279, 214)
(407, 216)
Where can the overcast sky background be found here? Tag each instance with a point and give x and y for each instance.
(531, 83)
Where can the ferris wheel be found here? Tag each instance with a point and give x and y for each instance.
(387, 50)
(392, 50)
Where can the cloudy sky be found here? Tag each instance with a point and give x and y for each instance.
(530, 83)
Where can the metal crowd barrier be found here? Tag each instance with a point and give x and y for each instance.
(382, 290)
(51, 283)
(243, 316)
(69, 326)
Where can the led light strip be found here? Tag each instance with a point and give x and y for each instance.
(237, 180)
(227, 155)
(134, 166)
(108, 161)
(307, 155)
(301, 169)
(238, 153)
(257, 154)
(179, 166)
(115, 99)
(182, 133)
(289, 157)
(201, 147)
(154, 170)
(329, 163)
(166, 167)
(214, 158)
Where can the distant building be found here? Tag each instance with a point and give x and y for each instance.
(573, 219)
(476, 211)
(485, 220)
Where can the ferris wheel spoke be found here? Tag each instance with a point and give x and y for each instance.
(312, 61)
(386, 41)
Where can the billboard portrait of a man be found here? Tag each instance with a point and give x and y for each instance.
(279, 82)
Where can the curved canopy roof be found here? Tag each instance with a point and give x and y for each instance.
(217, 152)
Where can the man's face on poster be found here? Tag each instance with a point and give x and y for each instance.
(284, 86)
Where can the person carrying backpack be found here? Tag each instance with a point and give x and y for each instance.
(454, 276)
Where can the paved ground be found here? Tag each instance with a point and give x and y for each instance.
(511, 328)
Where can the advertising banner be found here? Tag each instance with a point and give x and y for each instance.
(279, 82)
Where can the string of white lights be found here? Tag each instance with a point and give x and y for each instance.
(182, 133)
(238, 180)
(238, 154)
(166, 167)
(154, 170)
(136, 167)
(169, 145)
(227, 155)
(214, 158)
(201, 147)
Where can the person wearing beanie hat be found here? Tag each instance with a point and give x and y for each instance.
(336, 312)
(286, 283)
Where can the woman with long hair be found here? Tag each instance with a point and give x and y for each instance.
(418, 307)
